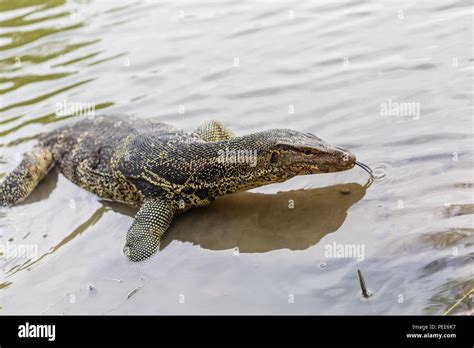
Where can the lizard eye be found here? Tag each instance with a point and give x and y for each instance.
(274, 158)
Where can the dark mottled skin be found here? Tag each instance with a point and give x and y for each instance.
(91, 153)
(164, 170)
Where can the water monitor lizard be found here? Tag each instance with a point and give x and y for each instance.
(165, 171)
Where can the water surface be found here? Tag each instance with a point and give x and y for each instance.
(327, 68)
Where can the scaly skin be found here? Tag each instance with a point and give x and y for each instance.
(166, 171)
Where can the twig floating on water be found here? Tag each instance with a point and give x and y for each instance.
(365, 292)
(133, 292)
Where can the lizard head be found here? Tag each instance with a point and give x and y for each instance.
(303, 153)
(275, 156)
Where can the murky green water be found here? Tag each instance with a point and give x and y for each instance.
(338, 69)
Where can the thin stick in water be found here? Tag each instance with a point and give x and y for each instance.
(365, 292)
